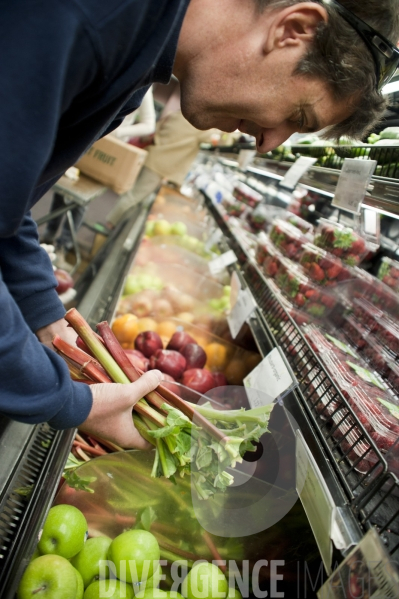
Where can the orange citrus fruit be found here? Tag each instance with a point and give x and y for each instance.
(146, 324)
(166, 328)
(121, 326)
(216, 356)
(236, 371)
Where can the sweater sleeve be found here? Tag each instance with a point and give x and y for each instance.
(43, 69)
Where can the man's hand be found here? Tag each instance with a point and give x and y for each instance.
(111, 413)
(59, 327)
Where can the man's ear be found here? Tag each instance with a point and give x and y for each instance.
(294, 25)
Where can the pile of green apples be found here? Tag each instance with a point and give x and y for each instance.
(154, 228)
(221, 304)
(66, 565)
(139, 282)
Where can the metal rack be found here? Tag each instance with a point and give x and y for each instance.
(371, 497)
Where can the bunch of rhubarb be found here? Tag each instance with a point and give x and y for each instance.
(188, 439)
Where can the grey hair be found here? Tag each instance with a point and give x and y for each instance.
(345, 65)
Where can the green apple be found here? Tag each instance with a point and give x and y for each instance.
(64, 532)
(112, 589)
(134, 553)
(132, 285)
(173, 595)
(87, 561)
(227, 290)
(149, 228)
(154, 594)
(205, 581)
(80, 588)
(140, 588)
(233, 593)
(161, 227)
(178, 228)
(48, 577)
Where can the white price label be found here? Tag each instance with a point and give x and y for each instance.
(218, 264)
(296, 171)
(213, 239)
(269, 380)
(352, 184)
(316, 499)
(241, 311)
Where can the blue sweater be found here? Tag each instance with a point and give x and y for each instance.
(71, 71)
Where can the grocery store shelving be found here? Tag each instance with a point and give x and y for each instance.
(363, 500)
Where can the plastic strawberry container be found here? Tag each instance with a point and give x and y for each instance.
(272, 262)
(367, 314)
(263, 248)
(388, 273)
(302, 292)
(288, 239)
(298, 222)
(354, 332)
(388, 334)
(366, 286)
(244, 193)
(332, 341)
(377, 356)
(341, 241)
(322, 267)
(234, 207)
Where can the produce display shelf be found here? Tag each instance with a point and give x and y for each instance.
(33, 457)
(372, 497)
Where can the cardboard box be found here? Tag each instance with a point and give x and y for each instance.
(113, 162)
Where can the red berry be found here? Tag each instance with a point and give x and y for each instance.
(300, 299)
(316, 273)
(333, 271)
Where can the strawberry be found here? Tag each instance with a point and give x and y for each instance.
(291, 250)
(358, 247)
(326, 263)
(328, 301)
(299, 300)
(395, 273)
(270, 268)
(337, 251)
(312, 294)
(333, 271)
(316, 273)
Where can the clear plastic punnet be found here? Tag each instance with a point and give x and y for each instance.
(263, 247)
(388, 273)
(368, 287)
(234, 207)
(377, 356)
(303, 292)
(355, 332)
(324, 268)
(341, 241)
(388, 334)
(244, 193)
(367, 314)
(301, 224)
(288, 239)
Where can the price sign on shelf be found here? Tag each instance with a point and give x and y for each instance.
(241, 311)
(352, 184)
(218, 264)
(296, 171)
(271, 379)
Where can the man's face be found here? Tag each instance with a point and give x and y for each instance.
(232, 83)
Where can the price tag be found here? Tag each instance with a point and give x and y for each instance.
(218, 264)
(366, 572)
(213, 239)
(271, 379)
(316, 499)
(241, 311)
(296, 171)
(352, 184)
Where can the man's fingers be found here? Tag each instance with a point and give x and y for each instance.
(146, 383)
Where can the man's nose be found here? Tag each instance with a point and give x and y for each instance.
(269, 139)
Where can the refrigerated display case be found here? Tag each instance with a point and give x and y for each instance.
(359, 477)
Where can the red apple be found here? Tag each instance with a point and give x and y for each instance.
(169, 382)
(148, 343)
(64, 279)
(194, 354)
(179, 340)
(198, 379)
(168, 361)
(220, 379)
(138, 359)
